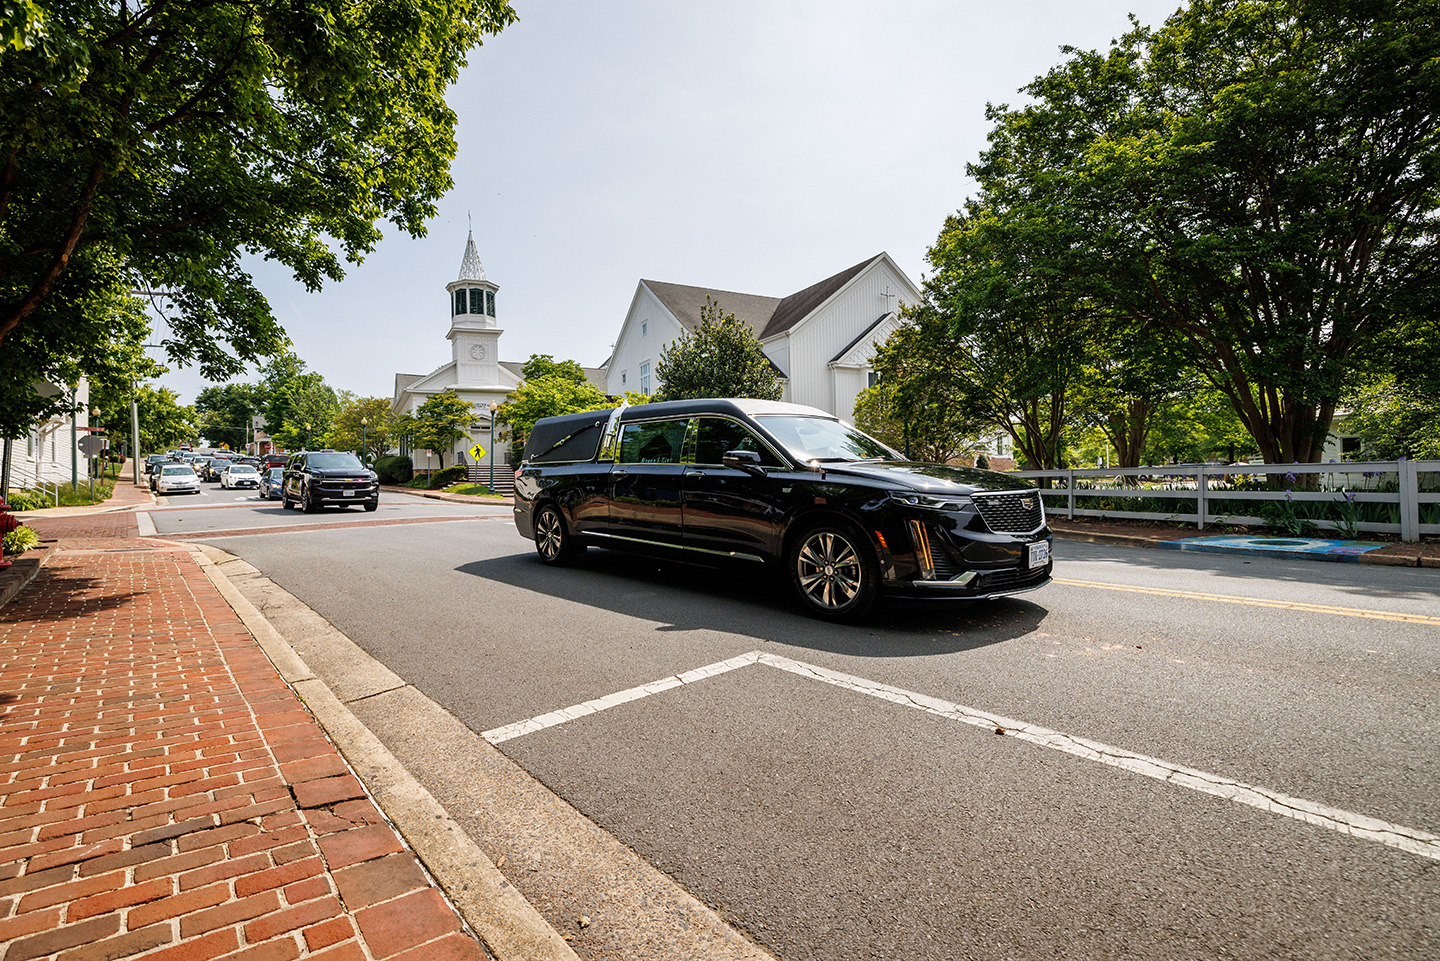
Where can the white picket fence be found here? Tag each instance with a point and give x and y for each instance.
(1196, 489)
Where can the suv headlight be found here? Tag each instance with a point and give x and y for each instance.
(937, 502)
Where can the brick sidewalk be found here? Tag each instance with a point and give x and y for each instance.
(165, 796)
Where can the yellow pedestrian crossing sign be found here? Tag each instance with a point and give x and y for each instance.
(477, 452)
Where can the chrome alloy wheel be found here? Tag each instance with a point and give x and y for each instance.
(829, 570)
(549, 535)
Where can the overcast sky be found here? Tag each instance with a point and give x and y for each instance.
(755, 146)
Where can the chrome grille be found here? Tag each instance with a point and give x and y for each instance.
(1014, 512)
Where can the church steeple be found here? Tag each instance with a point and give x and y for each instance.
(470, 268)
(474, 335)
(472, 295)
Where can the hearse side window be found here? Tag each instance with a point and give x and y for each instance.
(658, 442)
(717, 435)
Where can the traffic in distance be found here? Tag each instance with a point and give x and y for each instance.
(793, 490)
(306, 479)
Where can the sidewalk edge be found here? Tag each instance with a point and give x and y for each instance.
(27, 573)
(504, 920)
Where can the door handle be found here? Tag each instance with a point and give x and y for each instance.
(619, 473)
(694, 473)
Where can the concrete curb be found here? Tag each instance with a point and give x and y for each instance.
(1131, 540)
(442, 496)
(508, 925)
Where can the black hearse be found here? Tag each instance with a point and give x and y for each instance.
(791, 488)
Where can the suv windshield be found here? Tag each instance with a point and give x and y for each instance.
(819, 438)
(333, 461)
(180, 469)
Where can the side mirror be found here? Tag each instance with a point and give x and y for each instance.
(746, 460)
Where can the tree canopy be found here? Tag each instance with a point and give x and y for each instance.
(441, 421)
(1252, 187)
(551, 388)
(720, 358)
(165, 141)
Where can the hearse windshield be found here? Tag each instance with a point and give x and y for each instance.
(333, 462)
(822, 439)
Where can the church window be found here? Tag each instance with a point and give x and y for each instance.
(460, 301)
(490, 302)
(477, 300)
(644, 327)
(645, 378)
(871, 378)
(622, 378)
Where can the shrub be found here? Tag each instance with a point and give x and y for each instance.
(395, 469)
(20, 500)
(442, 479)
(20, 540)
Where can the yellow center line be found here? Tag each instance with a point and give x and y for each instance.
(1259, 602)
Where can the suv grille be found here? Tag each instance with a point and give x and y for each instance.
(1019, 512)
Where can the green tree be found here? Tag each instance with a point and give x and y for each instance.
(303, 410)
(164, 421)
(347, 433)
(925, 427)
(720, 358)
(1394, 419)
(91, 326)
(441, 421)
(1258, 177)
(226, 411)
(185, 136)
(550, 389)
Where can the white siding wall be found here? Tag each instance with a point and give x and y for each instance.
(815, 341)
(636, 347)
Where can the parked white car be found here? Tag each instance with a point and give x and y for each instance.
(239, 475)
(177, 479)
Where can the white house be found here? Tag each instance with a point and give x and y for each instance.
(49, 453)
(821, 338)
(475, 371)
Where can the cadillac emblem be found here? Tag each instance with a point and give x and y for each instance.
(1028, 503)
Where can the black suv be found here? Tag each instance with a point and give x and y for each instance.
(843, 517)
(315, 478)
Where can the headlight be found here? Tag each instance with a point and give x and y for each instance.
(937, 502)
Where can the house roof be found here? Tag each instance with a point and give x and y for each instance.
(861, 336)
(766, 316)
(798, 306)
(685, 303)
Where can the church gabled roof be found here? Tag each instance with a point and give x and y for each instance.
(685, 303)
(470, 268)
(799, 305)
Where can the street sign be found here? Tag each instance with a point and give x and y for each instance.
(477, 452)
(93, 444)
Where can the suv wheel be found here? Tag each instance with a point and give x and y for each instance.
(308, 503)
(552, 540)
(834, 572)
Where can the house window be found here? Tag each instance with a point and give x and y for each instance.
(477, 300)
(1349, 445)
(490, 302)
(622, 378)
(871, 378)
(460, 301)
(644, 327)
(645, 378)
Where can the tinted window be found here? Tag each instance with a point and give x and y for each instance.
(334, 461)
(656, 443)
(718, 436)
(181, 469)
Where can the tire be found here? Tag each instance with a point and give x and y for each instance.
(307, 503)
(374, 505)
(834, 572)
(553, 541)
(285, 501)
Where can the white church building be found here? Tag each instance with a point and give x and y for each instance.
(821, 339)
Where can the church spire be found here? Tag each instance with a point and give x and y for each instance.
(470, 268)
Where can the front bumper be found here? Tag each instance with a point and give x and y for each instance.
(354, 495)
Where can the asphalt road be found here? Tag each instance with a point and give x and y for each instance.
(873, 811)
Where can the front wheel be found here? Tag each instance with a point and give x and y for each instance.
(834, 572)
(553, 541)
(308, 503)
(373, 505)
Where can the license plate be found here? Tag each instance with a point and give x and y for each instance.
(1039, 554)
(349, 493)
